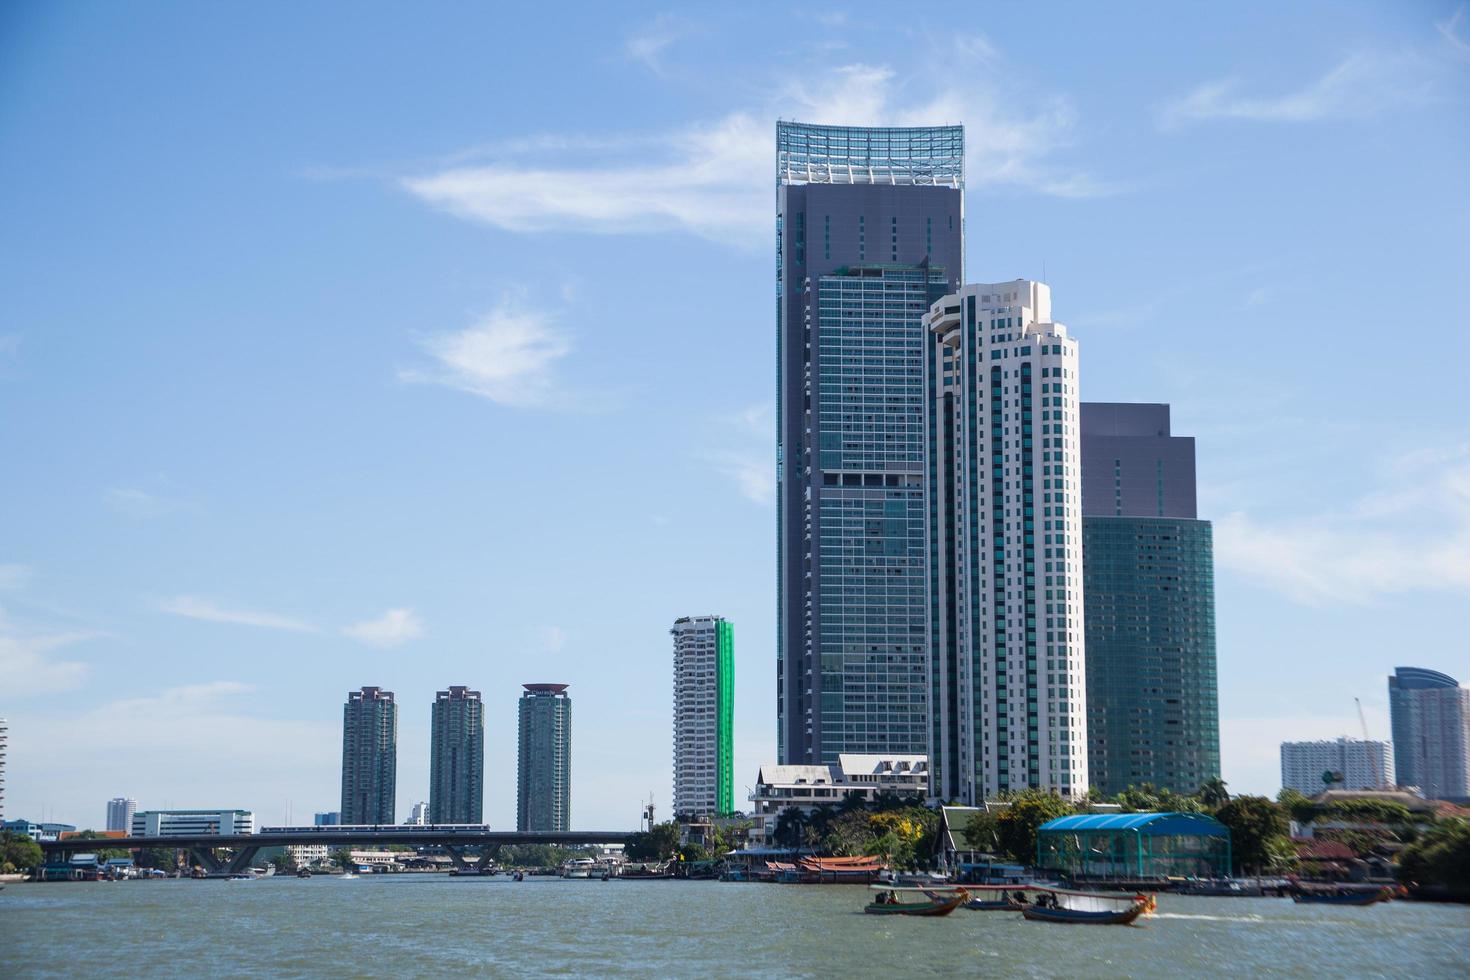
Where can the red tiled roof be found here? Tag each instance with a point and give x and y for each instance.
(1320, 849)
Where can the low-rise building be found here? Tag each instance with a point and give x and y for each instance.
(308, 855)
(164, 823)
(38, 831)
(808, 787)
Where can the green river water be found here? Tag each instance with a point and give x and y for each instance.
(432, 925)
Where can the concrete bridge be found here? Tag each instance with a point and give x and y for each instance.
(454, 838)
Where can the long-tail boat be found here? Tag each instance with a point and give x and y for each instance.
(1354, 897)
(1087, 907)
(933, 902)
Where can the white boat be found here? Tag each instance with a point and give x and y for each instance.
(578, 868)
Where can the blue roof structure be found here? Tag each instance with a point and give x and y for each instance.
(1146, 824)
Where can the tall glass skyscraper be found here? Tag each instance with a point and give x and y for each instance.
(1006, 551)
(544, 764)
(704, 715)
(1149, 574)
(869, 231)
(369, 756)
(457, 757)
(1430, 714)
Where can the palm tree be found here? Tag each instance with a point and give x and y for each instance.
(1212, 793)
(789, 826)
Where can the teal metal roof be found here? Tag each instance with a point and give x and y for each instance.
(1149, 824)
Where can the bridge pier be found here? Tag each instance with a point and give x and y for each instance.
(241, 861)
(487, 855)
(206, 859)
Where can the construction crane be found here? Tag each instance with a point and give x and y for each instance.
(1372, 755)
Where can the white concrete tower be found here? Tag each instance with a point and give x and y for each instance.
(1004, 468)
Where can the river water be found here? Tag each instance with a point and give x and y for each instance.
(427, 925)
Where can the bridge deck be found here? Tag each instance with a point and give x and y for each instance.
(407, 835)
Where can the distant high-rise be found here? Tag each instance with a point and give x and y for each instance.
(327, 818)
(369, 757)
(419, 815)
(1430, 714)
(1149, 575)
(1004, 472)
(457, 757)
(544, 763)
(120, 812)
(704, 715)
(1347, 763)
(870, 230)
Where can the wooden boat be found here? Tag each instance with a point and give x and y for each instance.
(997, 898)
(1046, 913)
(933, 903)
(1362, 897)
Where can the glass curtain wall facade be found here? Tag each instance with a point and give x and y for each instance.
(1005, 550)
(544, 766)
(870, 225)
(369, 757)
(1430, 714)
(704, 716)
(1149, 574)
(457, 757)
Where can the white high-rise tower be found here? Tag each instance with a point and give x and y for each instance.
(120, 812)
(1005, 478)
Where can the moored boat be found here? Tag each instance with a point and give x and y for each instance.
(1355, 897)
(933, 903)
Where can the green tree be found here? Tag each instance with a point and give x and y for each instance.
(982, 833)
(162, 858)
(1255, 824)
(1440, 858)
(20, 852)
(284, 863)
(790, 829)
(1298, 807)
(1212, 793)
(659, 844)
(693, 852)
(342, 858)
(1016, 825)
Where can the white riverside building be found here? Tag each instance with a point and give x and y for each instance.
(807, 787)
(163, 823)
(1005, 475)
(120, 812)
(1363, 764)
(703, 716)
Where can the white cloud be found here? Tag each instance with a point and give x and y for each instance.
(193, 607)
(394, 628)
(14, 576)
(1360, 85)
(1412, 535)
(1450, 29)
(140, 504)
(751, 464)
(508, 356)
(714, 178)
(26, 665)
(648, 43)
(232, 757)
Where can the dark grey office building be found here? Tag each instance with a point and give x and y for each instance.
(1149, 604)
(544, 764)
(1430, 714)
(457, 757)
(870, 230)
(369, 757)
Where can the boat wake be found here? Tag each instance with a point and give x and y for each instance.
(1211, 918)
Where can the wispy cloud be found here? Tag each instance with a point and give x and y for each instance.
(553, 639)
(142, 505)
(750, 461)
(194, 607)
(392, 629)
(27, 666)
(713, 178)
(13, 576)
(508, 356)
(1361, 85)
(648, 43)
(1412, 535)
(1450, 29)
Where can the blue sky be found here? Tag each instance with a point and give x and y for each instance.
(361, 344)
